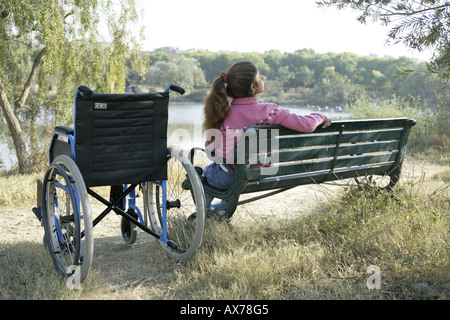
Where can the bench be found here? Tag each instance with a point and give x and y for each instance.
(274, 159)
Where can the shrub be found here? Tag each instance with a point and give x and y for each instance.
(429, 138)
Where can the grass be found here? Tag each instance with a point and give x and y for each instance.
(324, 255)
(17, 189)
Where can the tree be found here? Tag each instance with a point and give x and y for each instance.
(273, 59)
(302, 76)
(332, 88)
(180, 70)
(420, 24)
(48, 48)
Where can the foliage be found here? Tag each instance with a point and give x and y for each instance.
(430, 137)
(306, 76)
(48, 48)
(422, 24)
(180, 69)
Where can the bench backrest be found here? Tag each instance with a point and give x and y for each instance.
(121, 138)
(350, 148)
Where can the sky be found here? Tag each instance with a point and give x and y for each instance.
(262, 25)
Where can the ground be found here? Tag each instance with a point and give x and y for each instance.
(124, 269)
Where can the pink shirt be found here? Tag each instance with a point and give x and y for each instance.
(246, 112)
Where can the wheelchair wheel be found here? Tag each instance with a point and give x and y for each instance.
(181, 203)
(67, 219)
(128, 229)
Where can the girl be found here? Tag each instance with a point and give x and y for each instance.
(241, 83)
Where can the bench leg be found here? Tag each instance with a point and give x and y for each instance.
(394, 177)
(231, 206)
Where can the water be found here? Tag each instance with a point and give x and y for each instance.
(185, 126)
(5, 157)
(185, 122)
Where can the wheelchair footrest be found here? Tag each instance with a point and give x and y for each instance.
(173, 245)
(38, 209)
(38, 213)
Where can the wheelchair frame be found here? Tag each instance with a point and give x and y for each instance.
(68, 235)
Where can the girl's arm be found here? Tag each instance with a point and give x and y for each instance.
(307, 123)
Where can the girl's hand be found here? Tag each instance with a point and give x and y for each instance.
(326, 123)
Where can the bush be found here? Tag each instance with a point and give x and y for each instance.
(429, 138)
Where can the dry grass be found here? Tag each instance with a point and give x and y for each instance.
(326, 256)
(320, 255)
(16, 189)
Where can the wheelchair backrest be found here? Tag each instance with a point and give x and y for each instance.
(121, 138)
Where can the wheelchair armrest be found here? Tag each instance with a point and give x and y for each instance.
(64, 130)
(178, 89)
(85, 91)
(63, 141)
(209, 154)
(192, 153)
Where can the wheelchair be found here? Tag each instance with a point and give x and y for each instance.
(118, 141)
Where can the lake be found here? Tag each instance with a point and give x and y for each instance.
(186, 119)
(185, 126)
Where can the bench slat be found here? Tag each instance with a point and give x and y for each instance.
(324, 152)
(255, 173)
(374, 135)
(321, 139)
(275, 182)
(302, 154)
(357, 148)
(350, 125)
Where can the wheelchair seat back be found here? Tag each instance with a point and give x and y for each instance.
(118, 138)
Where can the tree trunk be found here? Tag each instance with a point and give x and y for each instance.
(15, 130)
(11, 115)
(31, 77)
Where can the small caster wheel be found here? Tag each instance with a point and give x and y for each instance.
(129, 230)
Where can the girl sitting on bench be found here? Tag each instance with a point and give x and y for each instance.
(242, 83)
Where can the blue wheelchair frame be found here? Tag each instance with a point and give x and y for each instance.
(129, 191)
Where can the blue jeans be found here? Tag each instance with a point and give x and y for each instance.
(218, 178)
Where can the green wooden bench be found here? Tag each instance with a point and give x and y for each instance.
(274, 159)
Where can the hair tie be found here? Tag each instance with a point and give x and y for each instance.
(224, 77)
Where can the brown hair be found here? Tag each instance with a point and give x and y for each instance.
(235, 84)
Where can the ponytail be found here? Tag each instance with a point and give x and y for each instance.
(216, 105)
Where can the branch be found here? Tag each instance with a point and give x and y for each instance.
(27, 88)
(380, 7)
(34, 28)
(20, 34)
(20, 42)
(415, 12)
(68, 14)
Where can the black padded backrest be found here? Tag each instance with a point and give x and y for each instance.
(121, 138)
